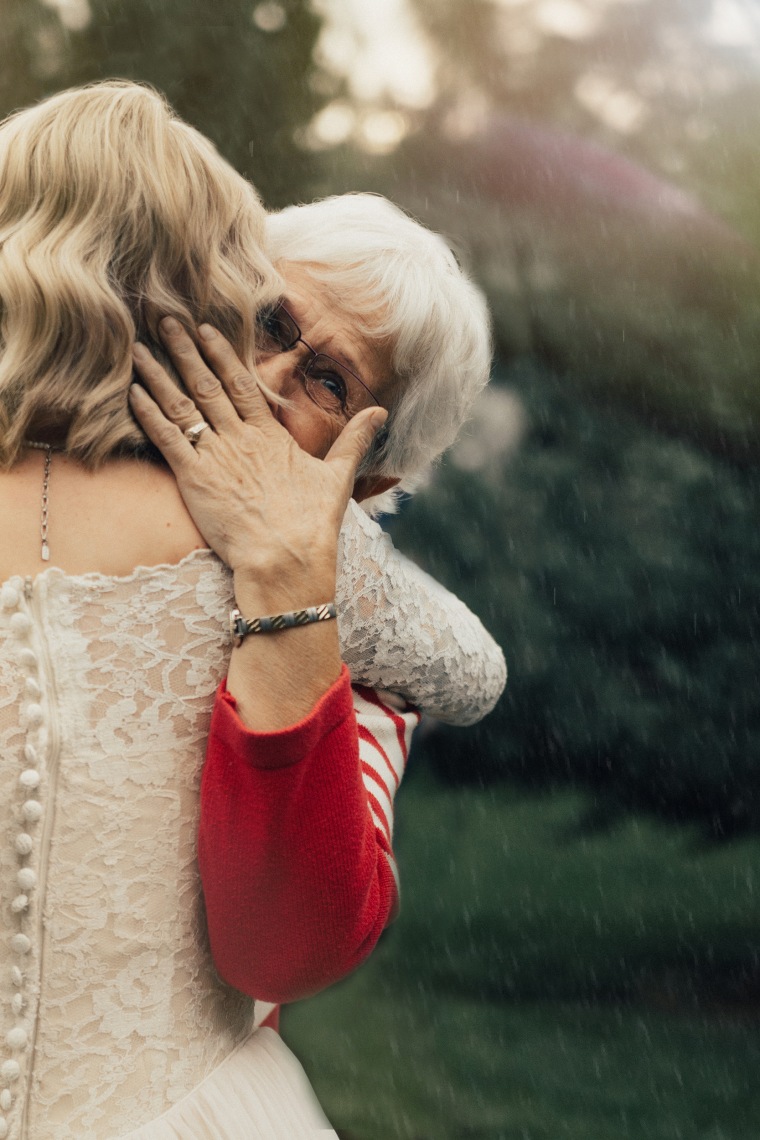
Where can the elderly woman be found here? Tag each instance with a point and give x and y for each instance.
(364, 282)
(113, 622)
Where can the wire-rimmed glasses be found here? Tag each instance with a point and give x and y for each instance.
(331, 385)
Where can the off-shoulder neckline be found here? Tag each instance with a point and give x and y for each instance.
(95, 577)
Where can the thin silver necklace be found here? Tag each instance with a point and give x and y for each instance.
(48, 448)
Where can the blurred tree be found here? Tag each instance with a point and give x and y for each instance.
(620, 570)
(578, 152)
(241, 72)
(33, 46)
(649, 76)
(596, 164)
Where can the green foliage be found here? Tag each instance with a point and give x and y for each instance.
(542, 983)
(620, 571)
(249, 90)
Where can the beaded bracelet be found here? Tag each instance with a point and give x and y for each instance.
(240, 627)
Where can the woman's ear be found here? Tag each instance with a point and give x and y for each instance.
(369, 485)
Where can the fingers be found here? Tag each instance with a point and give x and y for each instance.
(204, 387)
(354, 441)
(222, 388)
(167, 437)
(241, 387)
(174, 404)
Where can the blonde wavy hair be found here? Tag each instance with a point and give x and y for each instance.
(113, 214)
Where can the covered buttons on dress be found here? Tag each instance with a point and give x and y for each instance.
(24, 843)
(9, 597)
(26, 878)
(21, 624)
(18, 1029)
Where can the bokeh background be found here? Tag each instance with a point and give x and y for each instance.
(577, 954)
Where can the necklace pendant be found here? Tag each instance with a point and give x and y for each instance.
(45, 552)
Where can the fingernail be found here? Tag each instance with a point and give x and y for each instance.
(206, 332)
(170, 325)
(378, 418)
(140, 352)
(135, 392)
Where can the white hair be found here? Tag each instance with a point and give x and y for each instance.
(403, 285)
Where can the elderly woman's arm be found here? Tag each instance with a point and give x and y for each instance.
(296, 827)
(295, 841)
(401, 630)
(292, 852)
(269, 509)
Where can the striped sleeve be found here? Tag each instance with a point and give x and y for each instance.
(385, 726)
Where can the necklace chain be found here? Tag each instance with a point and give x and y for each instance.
(48, 448)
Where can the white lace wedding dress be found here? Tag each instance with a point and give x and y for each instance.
(114, 1023)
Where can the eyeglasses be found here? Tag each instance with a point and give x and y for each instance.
(333, 387)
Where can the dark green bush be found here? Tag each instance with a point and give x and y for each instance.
(620, 571)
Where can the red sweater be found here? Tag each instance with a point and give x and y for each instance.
(295, 841)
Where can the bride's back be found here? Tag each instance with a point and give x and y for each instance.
(127, 513)
(113, 214)
(107, 681)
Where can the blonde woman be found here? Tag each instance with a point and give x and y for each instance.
(113, 624)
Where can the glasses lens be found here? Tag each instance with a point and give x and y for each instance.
(278, 332)
(330, 385)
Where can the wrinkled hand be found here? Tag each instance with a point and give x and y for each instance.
(262, 504)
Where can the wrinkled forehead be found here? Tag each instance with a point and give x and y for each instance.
(337, 291)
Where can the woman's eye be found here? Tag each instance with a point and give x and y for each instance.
(333, 384)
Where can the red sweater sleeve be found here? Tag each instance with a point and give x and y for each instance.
(295, 860)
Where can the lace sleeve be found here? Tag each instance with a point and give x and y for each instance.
(401, 630)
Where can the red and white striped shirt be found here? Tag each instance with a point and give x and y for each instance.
(295, 840)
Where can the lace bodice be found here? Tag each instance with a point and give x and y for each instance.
(110, 1008)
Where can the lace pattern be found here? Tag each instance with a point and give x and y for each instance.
(123, 1013)
(402, 631)
(110, 1009)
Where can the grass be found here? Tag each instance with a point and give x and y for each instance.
(547, 984)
